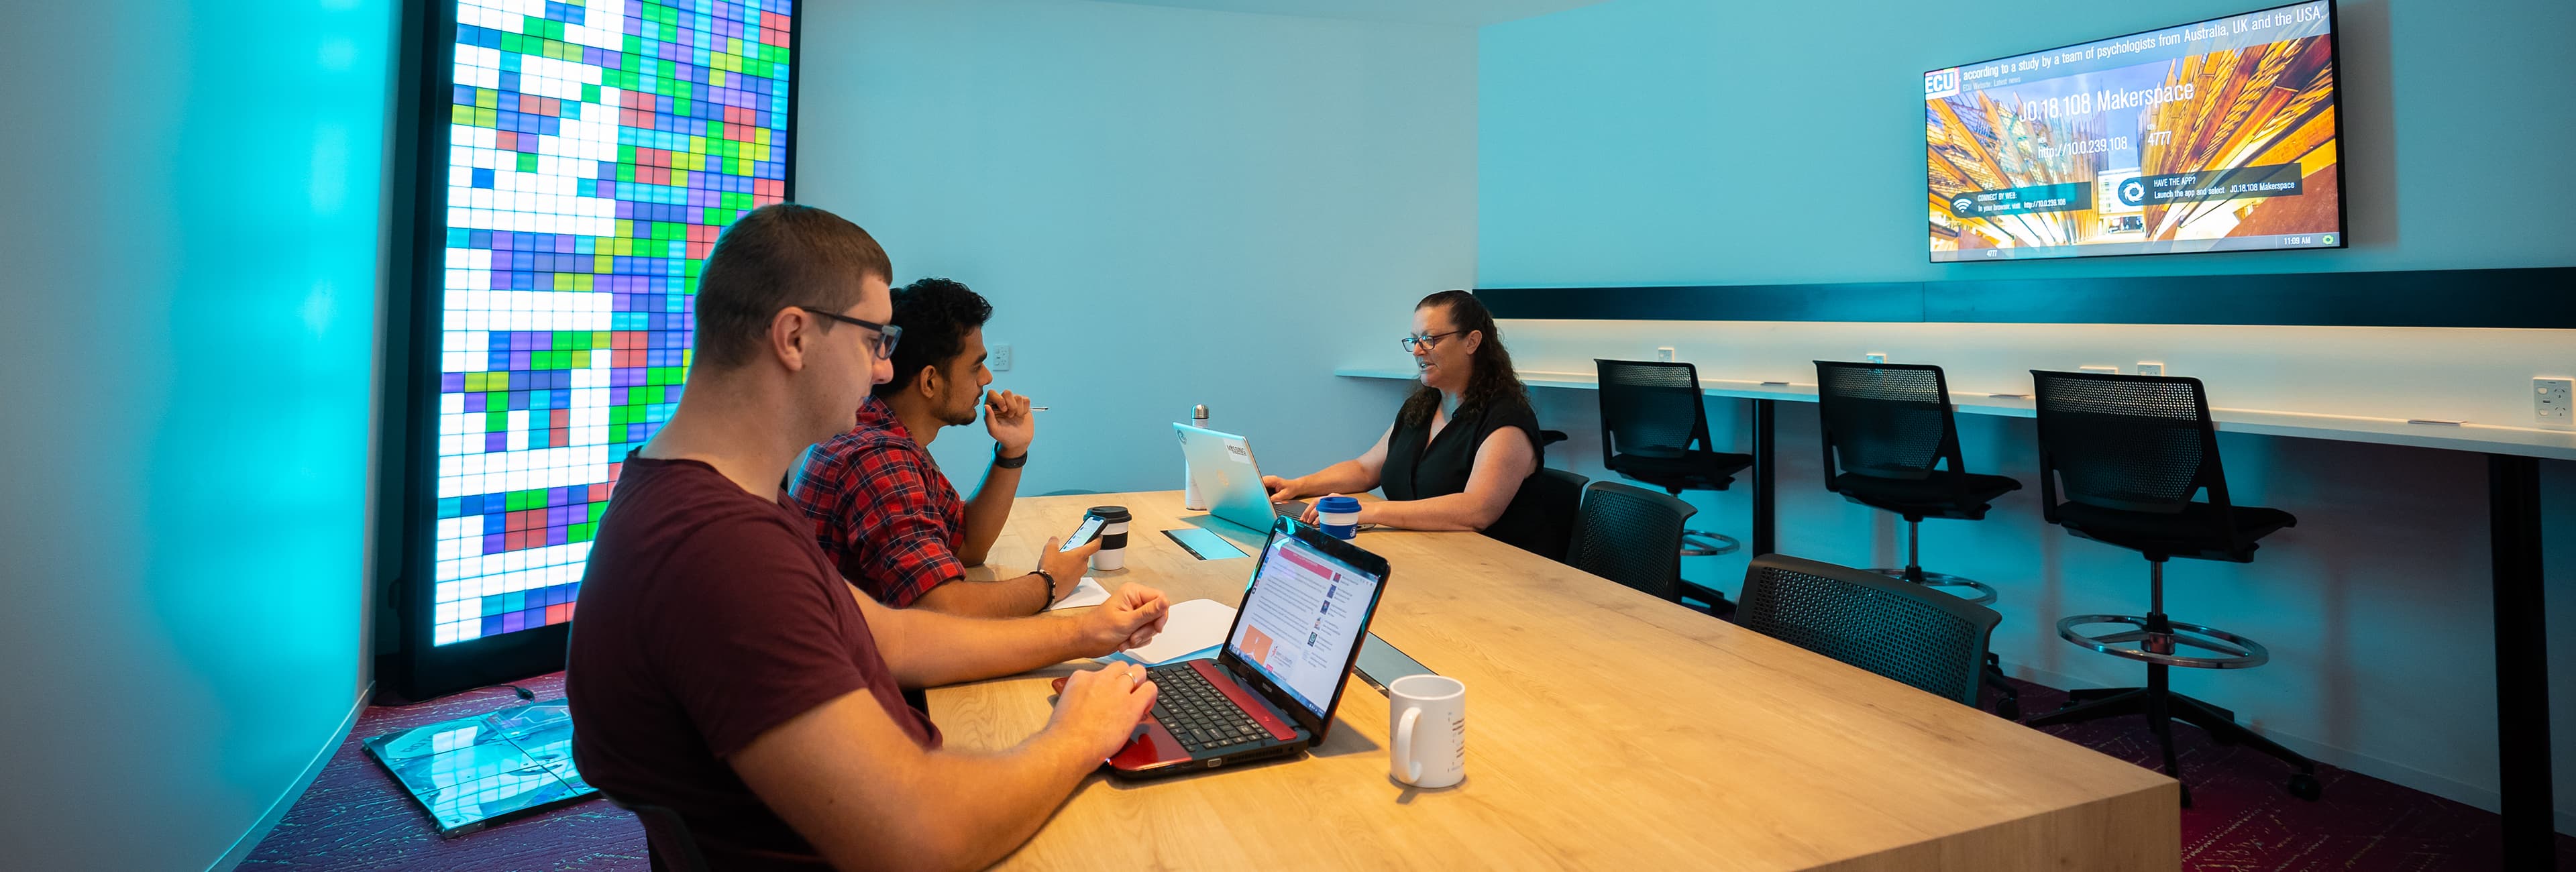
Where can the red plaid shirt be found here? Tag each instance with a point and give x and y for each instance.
(882, 509)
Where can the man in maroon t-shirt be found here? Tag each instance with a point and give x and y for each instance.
(722, 668)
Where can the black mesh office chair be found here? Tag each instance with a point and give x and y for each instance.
(1560, 498)
(1901, 630)
(1632, 536)
(1892, 443)
(667, 843)
(1654, 429)
(2131, 451)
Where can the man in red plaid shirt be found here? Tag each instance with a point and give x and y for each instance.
(883, 510)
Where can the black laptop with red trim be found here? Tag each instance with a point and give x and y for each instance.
(1272, 688)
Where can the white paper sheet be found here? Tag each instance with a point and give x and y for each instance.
(1195, 626)
(1087, 592)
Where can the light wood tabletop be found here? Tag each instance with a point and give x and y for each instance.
(1605, 729)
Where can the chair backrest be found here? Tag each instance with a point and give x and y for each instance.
(666, 837)
(2140, 443)
(1651, 408)
(1632, 536)
(1886, 420)
(1905, 631)
(1560, 499)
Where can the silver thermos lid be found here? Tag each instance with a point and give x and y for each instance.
(1198, 413)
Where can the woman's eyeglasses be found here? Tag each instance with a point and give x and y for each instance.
(1427, 342)
(886, 334)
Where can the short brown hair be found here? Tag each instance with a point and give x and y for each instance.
(776, 257)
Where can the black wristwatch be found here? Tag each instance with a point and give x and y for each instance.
(1000, 462)
(1050, 580)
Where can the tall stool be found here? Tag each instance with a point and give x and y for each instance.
(1654, 429)
(2131, 450)
(1897, 439)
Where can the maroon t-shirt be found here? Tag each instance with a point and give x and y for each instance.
(708, 616)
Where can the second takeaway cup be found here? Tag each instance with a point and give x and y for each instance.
(1338, 516)
(1113, 538)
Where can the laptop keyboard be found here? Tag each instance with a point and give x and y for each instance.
(1202, 717)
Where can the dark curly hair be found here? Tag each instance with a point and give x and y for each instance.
(1490, 376)
(935, 315)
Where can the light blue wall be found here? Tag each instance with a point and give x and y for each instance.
(1166, 206)
(189, 335)
(1683, 142)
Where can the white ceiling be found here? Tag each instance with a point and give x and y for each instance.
(1467, 12)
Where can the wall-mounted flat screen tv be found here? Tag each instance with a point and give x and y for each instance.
(2219, 135)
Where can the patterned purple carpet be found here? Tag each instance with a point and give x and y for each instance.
(356, 818)
(2242, 819)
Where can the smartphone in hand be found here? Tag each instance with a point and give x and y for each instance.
(1091, 525)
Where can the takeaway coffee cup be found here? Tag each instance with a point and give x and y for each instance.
(1113, 538)
(1427, 719)
(1338, 516)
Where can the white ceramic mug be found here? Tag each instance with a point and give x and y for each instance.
(1427, 719)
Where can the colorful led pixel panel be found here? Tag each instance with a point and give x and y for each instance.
(595, 150)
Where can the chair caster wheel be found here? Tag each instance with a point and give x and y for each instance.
(2305, 786)
(2008, 709)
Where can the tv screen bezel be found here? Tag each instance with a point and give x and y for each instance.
(2334, 100)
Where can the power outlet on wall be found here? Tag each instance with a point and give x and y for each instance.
(2105, 370)
(998, 357)
(2151, 367)
(2552, 405)
(1664, 354)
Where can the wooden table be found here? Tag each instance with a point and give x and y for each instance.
(2513, 455)
(1606, 729)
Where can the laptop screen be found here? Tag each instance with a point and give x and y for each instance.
(1301, 619)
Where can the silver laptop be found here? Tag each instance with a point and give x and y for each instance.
(1221, 466)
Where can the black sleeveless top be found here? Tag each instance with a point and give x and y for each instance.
(1420, 466)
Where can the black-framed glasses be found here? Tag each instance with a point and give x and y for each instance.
(1427, 342)
(887, 334)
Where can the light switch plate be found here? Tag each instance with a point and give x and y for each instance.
(2151, 367)
(1664, 354)
(2105, 370)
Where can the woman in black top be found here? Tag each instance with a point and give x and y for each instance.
(1461, 445)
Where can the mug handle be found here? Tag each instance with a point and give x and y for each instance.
(1404, 761)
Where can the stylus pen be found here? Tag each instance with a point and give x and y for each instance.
(1037, 408)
